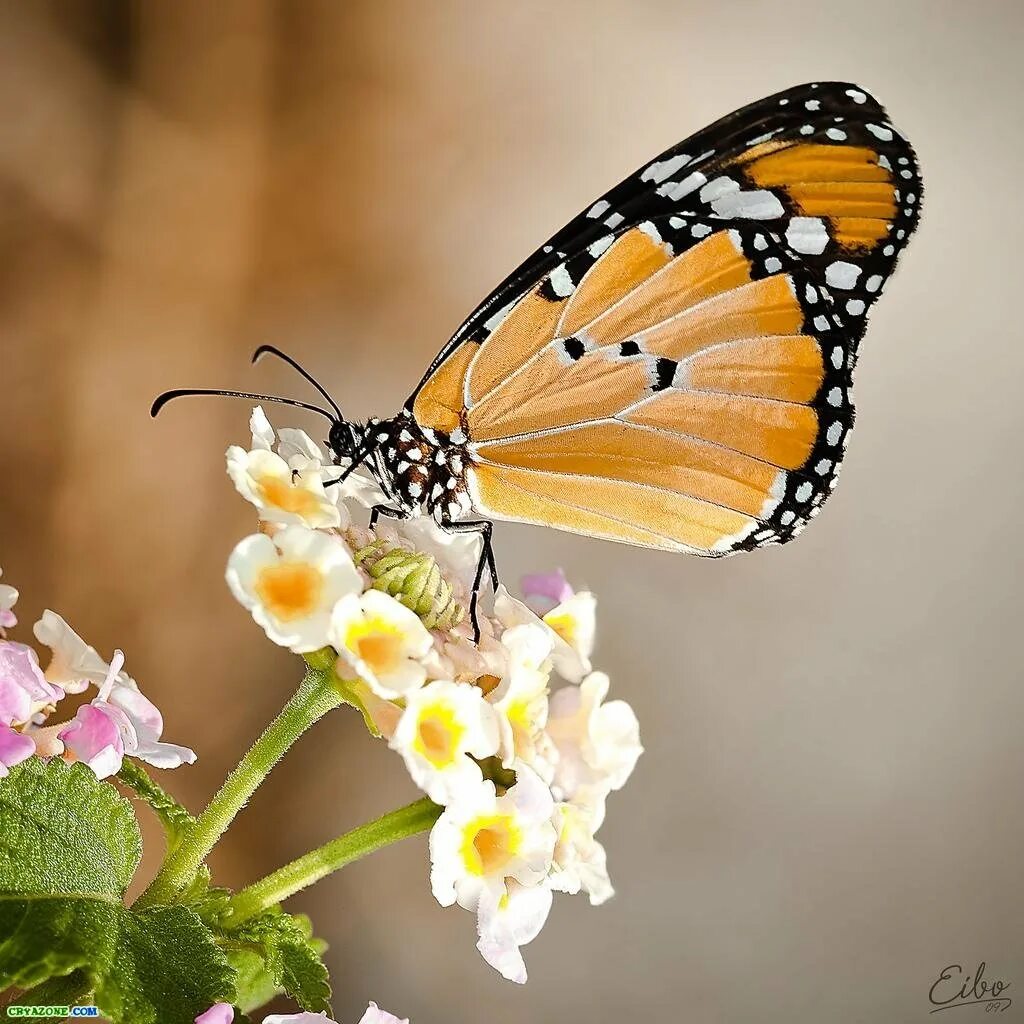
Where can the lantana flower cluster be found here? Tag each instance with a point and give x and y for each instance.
(118, 722)
(512, 734)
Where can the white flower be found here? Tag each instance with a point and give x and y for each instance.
(442, 724)
(483, 843)
(305, 456)
(375, 1015)
(281, 494)
(580, 861)
(571, 623)
(522, 697)
(510, 922)
(382, 641)
(598, 744)
(262, 432)
(8, 599)
(74, 664)
(290, 583)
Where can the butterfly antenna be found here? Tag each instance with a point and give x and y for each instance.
(269, 349)
(168, 396)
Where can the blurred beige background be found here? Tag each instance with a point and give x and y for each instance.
(828, 810)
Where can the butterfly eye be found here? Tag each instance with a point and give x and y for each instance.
(340, 440)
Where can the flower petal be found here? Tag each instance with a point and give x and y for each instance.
(219, 1013)
(15, 747)
(93, 737)
(74, 663)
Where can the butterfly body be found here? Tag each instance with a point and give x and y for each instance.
(418, 469)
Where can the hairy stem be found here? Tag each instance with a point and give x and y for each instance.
(324, 860)
(317, 695)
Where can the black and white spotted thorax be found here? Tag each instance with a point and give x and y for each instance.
(420, 470)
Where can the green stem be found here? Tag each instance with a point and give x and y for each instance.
(332, 856)
(317, 695)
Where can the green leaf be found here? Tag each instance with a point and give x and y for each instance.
(62, 830)
(69, 845)
(254, 984)
(175, 819)
(167, 969)
(276, 952)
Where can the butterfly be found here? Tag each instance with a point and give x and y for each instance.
(672, 369)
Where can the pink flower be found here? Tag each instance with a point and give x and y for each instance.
(14, 748)
(120, 723)
(148, 725)
(219, 1013)
(547, 590)
(23, 687)
(95, 736)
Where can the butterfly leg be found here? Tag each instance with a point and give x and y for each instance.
(484, 528)
(388, 512)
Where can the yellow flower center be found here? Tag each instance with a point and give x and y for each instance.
(290, 590)
(438, 735)
(564, 625)
(519, 717)
(489, 844)
(378, 644)
(282, 493)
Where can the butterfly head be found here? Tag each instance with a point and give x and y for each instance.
(345, 440)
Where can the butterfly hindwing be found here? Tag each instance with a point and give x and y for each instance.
(701, 405)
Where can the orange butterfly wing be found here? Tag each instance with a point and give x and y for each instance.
(682, 381)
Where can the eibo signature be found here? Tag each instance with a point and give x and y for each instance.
(954, 988)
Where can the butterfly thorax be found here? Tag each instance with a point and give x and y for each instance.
(419, 469)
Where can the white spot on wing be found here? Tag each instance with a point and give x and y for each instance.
(650, 230)
(599, 208)
(807, 235)
(561, 282)
(675, 190)
(760, 205)
(601, 245)
(718, 187)
(842, 274)
(857, 96)
(492, 322)
(885, 134)
(662, 169)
